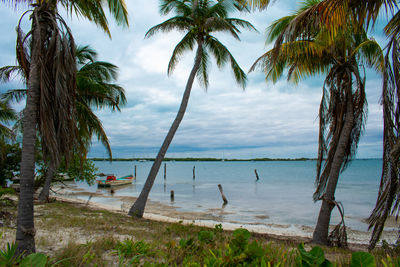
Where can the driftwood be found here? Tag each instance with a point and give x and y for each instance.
(222, 194)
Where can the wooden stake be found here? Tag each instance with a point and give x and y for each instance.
(135, 172)
(222, 194)
(172, 196)
(165, 171)
(194, 172)
(255, 171)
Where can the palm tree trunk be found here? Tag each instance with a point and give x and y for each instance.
(320, 235)
(25, 235)
(137, 208)
(44, 194)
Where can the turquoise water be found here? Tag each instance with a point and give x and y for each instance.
(283, 195)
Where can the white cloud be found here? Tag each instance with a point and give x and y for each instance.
(265, 120)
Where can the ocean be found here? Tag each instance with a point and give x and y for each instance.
(281, 196)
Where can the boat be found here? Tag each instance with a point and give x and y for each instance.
(112, 180)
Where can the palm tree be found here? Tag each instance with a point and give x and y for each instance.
(94, 88)
(51, 86)
(198, 19)
(388, 202)
(343, 105)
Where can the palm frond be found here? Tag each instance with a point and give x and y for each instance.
(94, 11)
(15, 95)
(184, 45)
(259, 4)
(175, 23)
(85, 54)
(202, 73)
(8, 73)
(88, 125)
(370, 53)
(222, 56)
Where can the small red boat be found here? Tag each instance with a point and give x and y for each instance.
(112, 180)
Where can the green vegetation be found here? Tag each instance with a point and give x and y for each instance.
(75, 235)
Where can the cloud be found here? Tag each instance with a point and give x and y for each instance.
(265, 120)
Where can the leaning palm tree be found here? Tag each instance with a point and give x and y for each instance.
(51, 81)
(198, 19)
(343, 105)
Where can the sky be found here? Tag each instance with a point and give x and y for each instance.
(265, 120)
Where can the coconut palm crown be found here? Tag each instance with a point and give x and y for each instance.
(198, 20)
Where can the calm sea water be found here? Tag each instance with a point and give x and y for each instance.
(283, 195)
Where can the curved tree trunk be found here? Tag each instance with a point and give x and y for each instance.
(137, 208)
(320, 235)
(45, 193)
(25, 235)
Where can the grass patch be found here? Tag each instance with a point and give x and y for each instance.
(76, 235)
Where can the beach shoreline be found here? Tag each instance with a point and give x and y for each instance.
(162, 212)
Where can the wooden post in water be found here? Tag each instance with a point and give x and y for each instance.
(255, 171)
(165, 171)
(172, 196)
(194, 173)
(222, 194)
(135, 172)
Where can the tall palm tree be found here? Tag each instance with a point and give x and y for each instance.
(343, 105)
(198, 19)
(51, 87)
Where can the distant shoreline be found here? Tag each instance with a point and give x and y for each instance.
(213, 159)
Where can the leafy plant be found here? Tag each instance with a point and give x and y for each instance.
(129, 248)
(186, 243)
(8, 257)
(240, 240)
(206, 236)
(34, 260)
(315, 257)
(362, 259)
